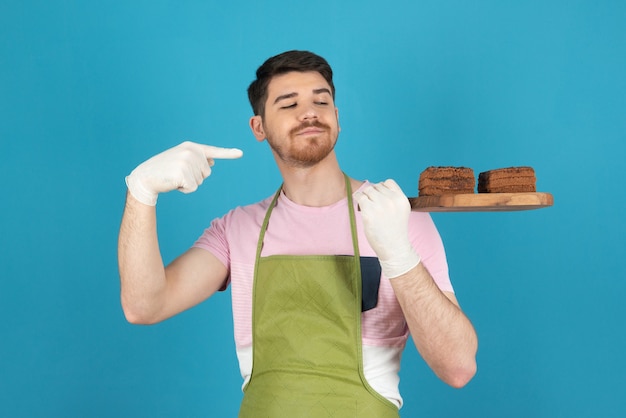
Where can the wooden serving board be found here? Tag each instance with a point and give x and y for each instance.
(482, 202)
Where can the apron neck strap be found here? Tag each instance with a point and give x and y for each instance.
(355, 236)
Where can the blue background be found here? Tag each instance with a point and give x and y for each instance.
(88, 90)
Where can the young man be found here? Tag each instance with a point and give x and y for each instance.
(329, 276)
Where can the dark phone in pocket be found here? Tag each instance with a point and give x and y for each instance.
(370, 282)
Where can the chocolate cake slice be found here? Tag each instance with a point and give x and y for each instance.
(437, 181)
(507, 180)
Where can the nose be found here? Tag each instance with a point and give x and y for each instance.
(309, 112)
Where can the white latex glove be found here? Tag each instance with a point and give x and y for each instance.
(385, 213)
(182, 167)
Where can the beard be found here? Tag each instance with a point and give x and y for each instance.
(304, 152)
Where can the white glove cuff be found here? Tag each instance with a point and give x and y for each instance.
(139, 192)
(400, 264)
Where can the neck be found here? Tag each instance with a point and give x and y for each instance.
(320, 185)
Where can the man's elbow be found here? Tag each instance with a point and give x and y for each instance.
(135, 319)
(461, 376)
(138, 316)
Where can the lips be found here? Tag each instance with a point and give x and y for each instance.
(312, 128)
(309, 131)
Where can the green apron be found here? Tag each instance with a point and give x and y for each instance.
(306, 333)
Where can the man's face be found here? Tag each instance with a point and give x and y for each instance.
(300, 121)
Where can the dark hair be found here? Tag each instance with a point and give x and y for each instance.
(301, 61)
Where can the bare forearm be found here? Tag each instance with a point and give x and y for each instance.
(141, 267)
(442, 333)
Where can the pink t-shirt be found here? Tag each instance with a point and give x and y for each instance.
(302, 230)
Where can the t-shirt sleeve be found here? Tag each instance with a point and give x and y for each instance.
(214, 240)
(428, 243)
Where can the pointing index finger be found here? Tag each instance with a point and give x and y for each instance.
(211, 152)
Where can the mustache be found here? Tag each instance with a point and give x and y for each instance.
(312, 124)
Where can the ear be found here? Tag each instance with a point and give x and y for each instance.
(337, 116)
(256, 124)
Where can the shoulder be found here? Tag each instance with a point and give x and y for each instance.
(233, 228)
(246, 212)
